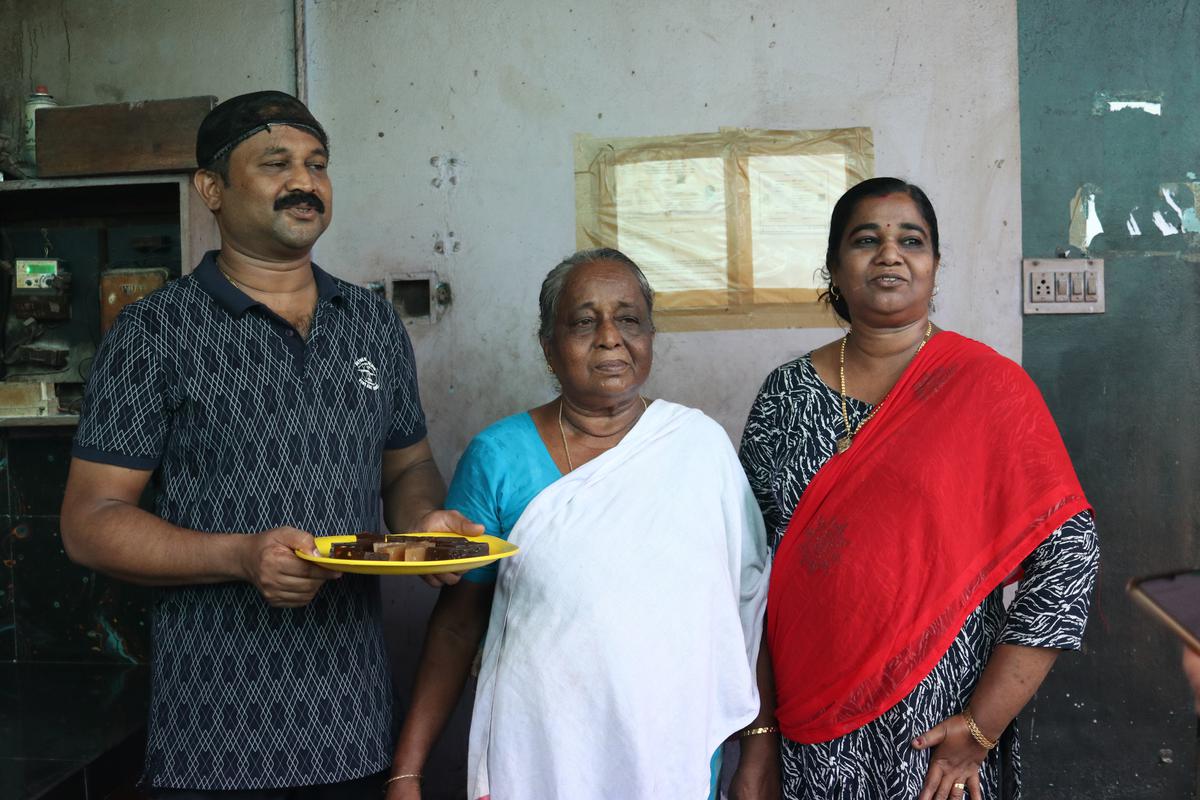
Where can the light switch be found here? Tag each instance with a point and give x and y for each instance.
(1076, 287)
(1062, 285)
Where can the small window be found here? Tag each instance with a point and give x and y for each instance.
(729, 227)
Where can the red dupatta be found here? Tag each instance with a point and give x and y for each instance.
(958, 477)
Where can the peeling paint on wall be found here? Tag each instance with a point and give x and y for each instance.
(1085, 222)
(1131, 225)
(1182, 198)
(1149, 102)
(1191, 222)
(1150, 108)
(1166, 193)
(1171, 208)
(1180, 214)
(1164, 227)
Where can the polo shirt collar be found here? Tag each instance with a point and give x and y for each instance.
(235, 301)
(327, 288)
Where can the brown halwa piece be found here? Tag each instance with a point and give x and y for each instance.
(347, 550)
(396, 547)
(474, 549)
(393, 550)
(447, 551)
(417, 551)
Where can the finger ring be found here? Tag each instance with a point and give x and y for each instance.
(960, 786)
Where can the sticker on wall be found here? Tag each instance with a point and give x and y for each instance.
(1131, 225)
(1145, 102)
(1182, 198)
(1172, 209)
(1085, 222)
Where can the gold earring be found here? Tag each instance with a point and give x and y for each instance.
(549, 368)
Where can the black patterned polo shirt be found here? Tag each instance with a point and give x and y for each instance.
(251, 427)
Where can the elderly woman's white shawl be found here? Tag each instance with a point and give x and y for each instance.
(622, 642)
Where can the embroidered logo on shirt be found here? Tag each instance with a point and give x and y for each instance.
(367, 374)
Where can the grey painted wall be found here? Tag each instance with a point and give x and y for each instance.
(86, 52)
(503, 86)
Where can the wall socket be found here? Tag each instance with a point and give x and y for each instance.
(418, 297)
(1063, 285)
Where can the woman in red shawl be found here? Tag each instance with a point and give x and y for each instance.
(908, 474)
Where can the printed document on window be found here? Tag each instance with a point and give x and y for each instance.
(671, 220)
(791, 200)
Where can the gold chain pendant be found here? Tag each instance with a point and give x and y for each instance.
(843, 444)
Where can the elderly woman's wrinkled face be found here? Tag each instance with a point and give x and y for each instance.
(603, 338)
(886, 266)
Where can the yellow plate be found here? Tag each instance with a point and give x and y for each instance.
(497, 548)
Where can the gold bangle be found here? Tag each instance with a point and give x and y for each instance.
(757, 731)
(395, 778)
(976, 734)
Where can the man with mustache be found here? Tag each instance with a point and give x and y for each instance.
(275, 403)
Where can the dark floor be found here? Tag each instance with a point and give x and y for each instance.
(73, 688)
(69, 724)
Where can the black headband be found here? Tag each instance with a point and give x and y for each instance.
(238, 118)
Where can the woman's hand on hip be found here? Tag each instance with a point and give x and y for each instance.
(954, 763)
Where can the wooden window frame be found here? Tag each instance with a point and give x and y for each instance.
(740, 305)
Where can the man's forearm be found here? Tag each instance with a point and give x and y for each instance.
(127, 542)
(418, 490)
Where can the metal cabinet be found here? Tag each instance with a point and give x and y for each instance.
(72, 251)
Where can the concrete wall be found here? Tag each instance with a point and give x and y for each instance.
(140, 50)
(502, 87)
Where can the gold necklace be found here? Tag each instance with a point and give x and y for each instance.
(843, 444)
(228, 277)
(563, 433)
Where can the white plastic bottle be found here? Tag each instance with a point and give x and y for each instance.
(39, 99)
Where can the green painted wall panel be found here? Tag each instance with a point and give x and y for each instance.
(1115, 721)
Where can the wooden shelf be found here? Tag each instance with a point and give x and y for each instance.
(45, 421)
(197, 228)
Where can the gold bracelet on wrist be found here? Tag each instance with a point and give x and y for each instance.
(758, 731)
(976, 734)
(395, 778)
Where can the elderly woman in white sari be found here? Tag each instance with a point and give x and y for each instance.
(623, 641)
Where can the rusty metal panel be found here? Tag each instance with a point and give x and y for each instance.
(120, 287)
